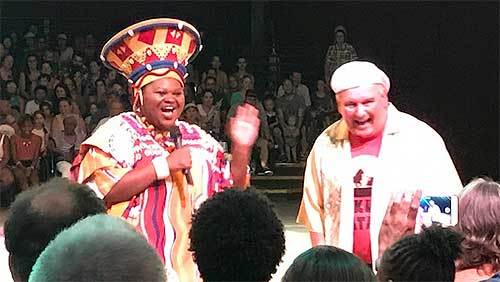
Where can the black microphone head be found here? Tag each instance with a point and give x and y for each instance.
(174, 131)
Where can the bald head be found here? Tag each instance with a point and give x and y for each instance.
(39, 214)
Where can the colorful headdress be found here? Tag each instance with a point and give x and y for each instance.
(152, 49)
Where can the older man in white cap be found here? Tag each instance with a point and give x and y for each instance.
(372, 153)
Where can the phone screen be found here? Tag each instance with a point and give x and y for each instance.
(438, 209)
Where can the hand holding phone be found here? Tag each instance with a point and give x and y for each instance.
(441, 210)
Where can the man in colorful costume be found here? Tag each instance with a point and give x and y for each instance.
(132, 162)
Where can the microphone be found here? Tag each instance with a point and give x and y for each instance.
(175, 133)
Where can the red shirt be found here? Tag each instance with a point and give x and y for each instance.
(365, 157)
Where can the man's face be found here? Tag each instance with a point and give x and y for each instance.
(210, 84)
(216, 62)
(233, 83)
(163, 102)
(100, 87)
(64, 107)
(48, 56)
(242, 63)
(364, 109)
(11, 88)
(288, 86)
(296, 78)
(9, 61)
(339, 37)
(69, 124)
(32, 62)
(77, 61)
(40, 95)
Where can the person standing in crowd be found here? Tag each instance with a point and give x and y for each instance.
(358, 162)
(132, 161)
(339, 53)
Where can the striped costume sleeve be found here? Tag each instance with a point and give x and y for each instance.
(101, 172)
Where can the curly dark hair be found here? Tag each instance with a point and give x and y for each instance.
(39, 214)
(328, 263)
(236, 236)
(427, 256)
(479, 221)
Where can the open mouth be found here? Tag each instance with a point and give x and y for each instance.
(168, 111)
(363, 123)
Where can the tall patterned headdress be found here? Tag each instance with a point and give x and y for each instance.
(152, 49)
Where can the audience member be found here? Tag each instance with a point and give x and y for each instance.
(220, 75)
(98, 248)
(39, 214)
(12, 94)
(339, 53)
(427, 256)
(291, 104)
(328, 263)
(479, 221)
(25, 148)
(242, 71)
(28, 78)
(67, 144)
(40, 97)
(191, 114)
(209, 114)
(250, 239)
(7, 183)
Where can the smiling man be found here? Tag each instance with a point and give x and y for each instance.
(373, 152)
(133, 163)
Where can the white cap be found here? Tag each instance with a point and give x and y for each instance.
(357, 74)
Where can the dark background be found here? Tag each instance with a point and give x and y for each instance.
(441, 57)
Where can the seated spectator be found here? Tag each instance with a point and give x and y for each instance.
(116, 250)
(39, 214)
(209, 84)
(40, 130)
(273, 123)
(12, 95)
(11, 122)
(191, 114)
(300, 89)
(328, 263)
(427, 256)
(242, 71)
(291, 104)
(238, 97)
(48, 112)
(6, 110)
(34, 105)
(219, 74)
(92, 119)
(479, 221)
(28, 78)
(67, 143)
(233, 87)
(65, 109)
(61, 91)
(115, 108)
(209, 114)
(25, 148)
(7, 184)
(250, 240)
(6, 70)
(264, 140)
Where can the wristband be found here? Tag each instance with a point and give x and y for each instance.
(160, 165)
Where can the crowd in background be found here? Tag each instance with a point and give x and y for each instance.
(55, 92)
